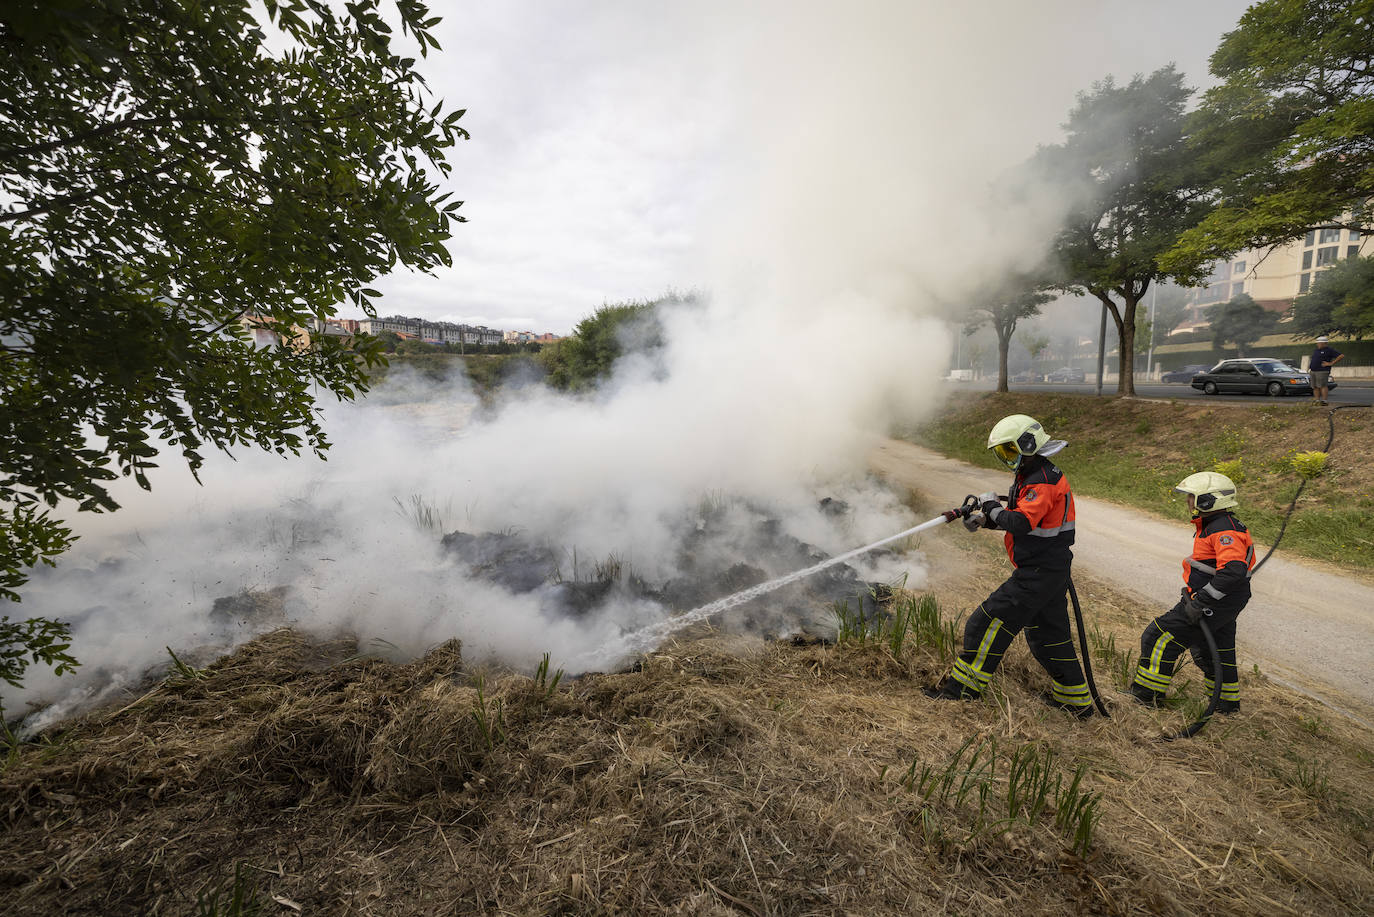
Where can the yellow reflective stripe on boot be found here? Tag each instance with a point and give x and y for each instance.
(1230, 690)
(1077, 695)
(973, 674)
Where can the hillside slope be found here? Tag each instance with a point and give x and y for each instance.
(724, 776)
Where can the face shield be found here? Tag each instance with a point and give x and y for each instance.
(1008, 453)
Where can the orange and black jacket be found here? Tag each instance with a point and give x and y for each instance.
(1038, 517)
(1218, 571)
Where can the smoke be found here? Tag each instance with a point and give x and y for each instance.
(842, 210)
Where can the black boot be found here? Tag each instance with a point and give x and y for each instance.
(950, 689)
(1228, 706)
(1147, 696)
(1082, 712)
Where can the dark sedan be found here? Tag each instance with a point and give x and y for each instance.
(1185, 374)
(1260, 375)
(1066, 374)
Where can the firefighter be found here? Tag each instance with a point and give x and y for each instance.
(1038, 521)
(1216, 579)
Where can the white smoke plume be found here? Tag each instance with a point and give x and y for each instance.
(843, 212)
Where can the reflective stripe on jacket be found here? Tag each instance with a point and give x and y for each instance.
(1218, 570)
(1043, 534)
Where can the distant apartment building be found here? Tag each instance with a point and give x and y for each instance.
(431, 332)
(1275, 278)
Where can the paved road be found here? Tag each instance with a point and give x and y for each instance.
(1356, 391)
(1307, 624)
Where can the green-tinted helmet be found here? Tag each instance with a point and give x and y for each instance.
(1016, 436)
(1210, 490)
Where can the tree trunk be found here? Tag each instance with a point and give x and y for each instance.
(1126, 380)
(1003, 345)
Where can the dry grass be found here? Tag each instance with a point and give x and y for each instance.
(724, 776)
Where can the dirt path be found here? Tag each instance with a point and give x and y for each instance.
(1307, 626)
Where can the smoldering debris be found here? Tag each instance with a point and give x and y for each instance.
(721, 549)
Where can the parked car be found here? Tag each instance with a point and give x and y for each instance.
(1026, 376)
(1260, 375)
(1185, 374)
(1066, 374)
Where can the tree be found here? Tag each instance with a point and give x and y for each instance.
(172, 174)
(1140, 187)
(1035, 344)
(1290, 127)
(1341, 301)
(1002, 307)
(1241, 321)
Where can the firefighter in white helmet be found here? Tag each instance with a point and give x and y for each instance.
(1038, 520)
(1216, 578)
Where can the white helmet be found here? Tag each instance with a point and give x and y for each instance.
(1210, 490)
(1017, 436)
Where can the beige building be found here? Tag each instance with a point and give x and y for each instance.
(1275, 278)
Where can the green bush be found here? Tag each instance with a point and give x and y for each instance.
(1308, 464)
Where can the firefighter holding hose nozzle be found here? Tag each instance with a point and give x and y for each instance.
(1216, 579)
(1038, 521)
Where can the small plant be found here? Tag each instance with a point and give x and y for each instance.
(1028, 783)
(1232, 469)
(182, 670)
(1144, 426)
(1120, 663)
(610, 570)
(1312, 778)
(542, 681)
(420, 513)
(490, 723)
(1308, 465)
(1231, 441)
(236, 898)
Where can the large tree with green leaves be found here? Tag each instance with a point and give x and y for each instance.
(1137, 187)
(1290, 127)
(1340, 302)
(1003, 308)
(168, 172)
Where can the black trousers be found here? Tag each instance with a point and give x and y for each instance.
(1167, 636)
(1034, 600)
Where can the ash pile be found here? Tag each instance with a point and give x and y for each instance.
(720, 551)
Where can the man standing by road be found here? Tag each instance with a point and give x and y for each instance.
(1039, 524)
(1323, 358)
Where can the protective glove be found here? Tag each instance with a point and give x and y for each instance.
(1193, 610)
(989, 502)
(975, 521)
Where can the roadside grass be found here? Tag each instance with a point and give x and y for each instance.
(1134, 452)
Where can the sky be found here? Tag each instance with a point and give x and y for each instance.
(620, 150)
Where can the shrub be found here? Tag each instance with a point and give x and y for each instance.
(1232, 469)
(1308, 464)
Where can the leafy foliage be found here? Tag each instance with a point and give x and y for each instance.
(585, 358)
(1240, 321)
(1290, 126)
(1341, 301)
(1141, 187)
(30, 641)
(172, 175)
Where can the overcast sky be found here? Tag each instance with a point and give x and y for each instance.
(616, 144)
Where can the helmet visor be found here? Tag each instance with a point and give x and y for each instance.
(1008, 453)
